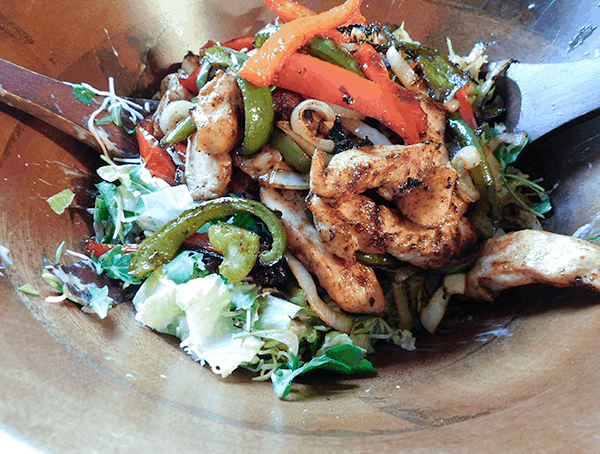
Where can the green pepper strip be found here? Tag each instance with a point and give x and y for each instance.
(322, 48)
(203, 74)
(384, 260)
(239, 248)
(443, 78)
(181, 131)
(330, 51)
(291, 151)
(258, 102)
(466, 136)
(162, 247)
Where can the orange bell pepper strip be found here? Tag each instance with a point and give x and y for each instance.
(318, 79)
(262, 67)
(288, 10)
(465, 109)
(157, 160)
(375, 70)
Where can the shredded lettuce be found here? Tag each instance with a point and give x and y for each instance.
(5, 260)
(156, 305)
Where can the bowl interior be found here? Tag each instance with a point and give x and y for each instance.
(515, 372)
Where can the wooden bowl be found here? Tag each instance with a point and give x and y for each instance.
(521, 375)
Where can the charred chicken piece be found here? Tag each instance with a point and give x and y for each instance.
(356, 170)
(353, 286)
(218, 117)
(533, 256)
(358, 223)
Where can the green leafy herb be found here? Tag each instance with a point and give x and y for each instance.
(100, 302)
(59, 202)
(83, 94)
(185, 266)
(347, 359)
(28, 290)
(115, 263)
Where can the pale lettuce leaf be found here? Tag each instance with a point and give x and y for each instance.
(156, 305)
(213, 338)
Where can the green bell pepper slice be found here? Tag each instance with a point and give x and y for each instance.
(258, 102)
(162, 246)
(239, 248)
(442, 77)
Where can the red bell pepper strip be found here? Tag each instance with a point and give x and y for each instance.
(374, 68)
(238, 44)
(197, 241)
(93, 247)
(261, 68)
(157, 160)
(465, 109)
(189, 82)
(318, 79)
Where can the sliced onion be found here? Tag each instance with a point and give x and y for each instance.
(432, 314)
(465, 186)
(287, 180)
(337, 320)
(364, 131)
(299, 125)
(307, 147)
(490, 80)
(468, 156)
(405, 73)
(452, 105)
(344, 112)
(172, 114)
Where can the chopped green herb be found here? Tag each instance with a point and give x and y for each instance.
(59, 202)
(28, 290)
(83, 94)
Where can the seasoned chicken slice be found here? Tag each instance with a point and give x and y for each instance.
(356, 170)
(434, 134)
(358, 223)
(427, 204)
(353, 286)
(436, 128)
(218, 119)
(533, 256)
(261, 165)
(170, 90)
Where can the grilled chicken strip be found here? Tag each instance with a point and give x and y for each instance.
(170, 90)
(356, 170)
(533, 256)
(261, 165)
(436, 128)
(427, 204)
(358, 223)
(218, 119)
(434, 134)
(354, 287)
